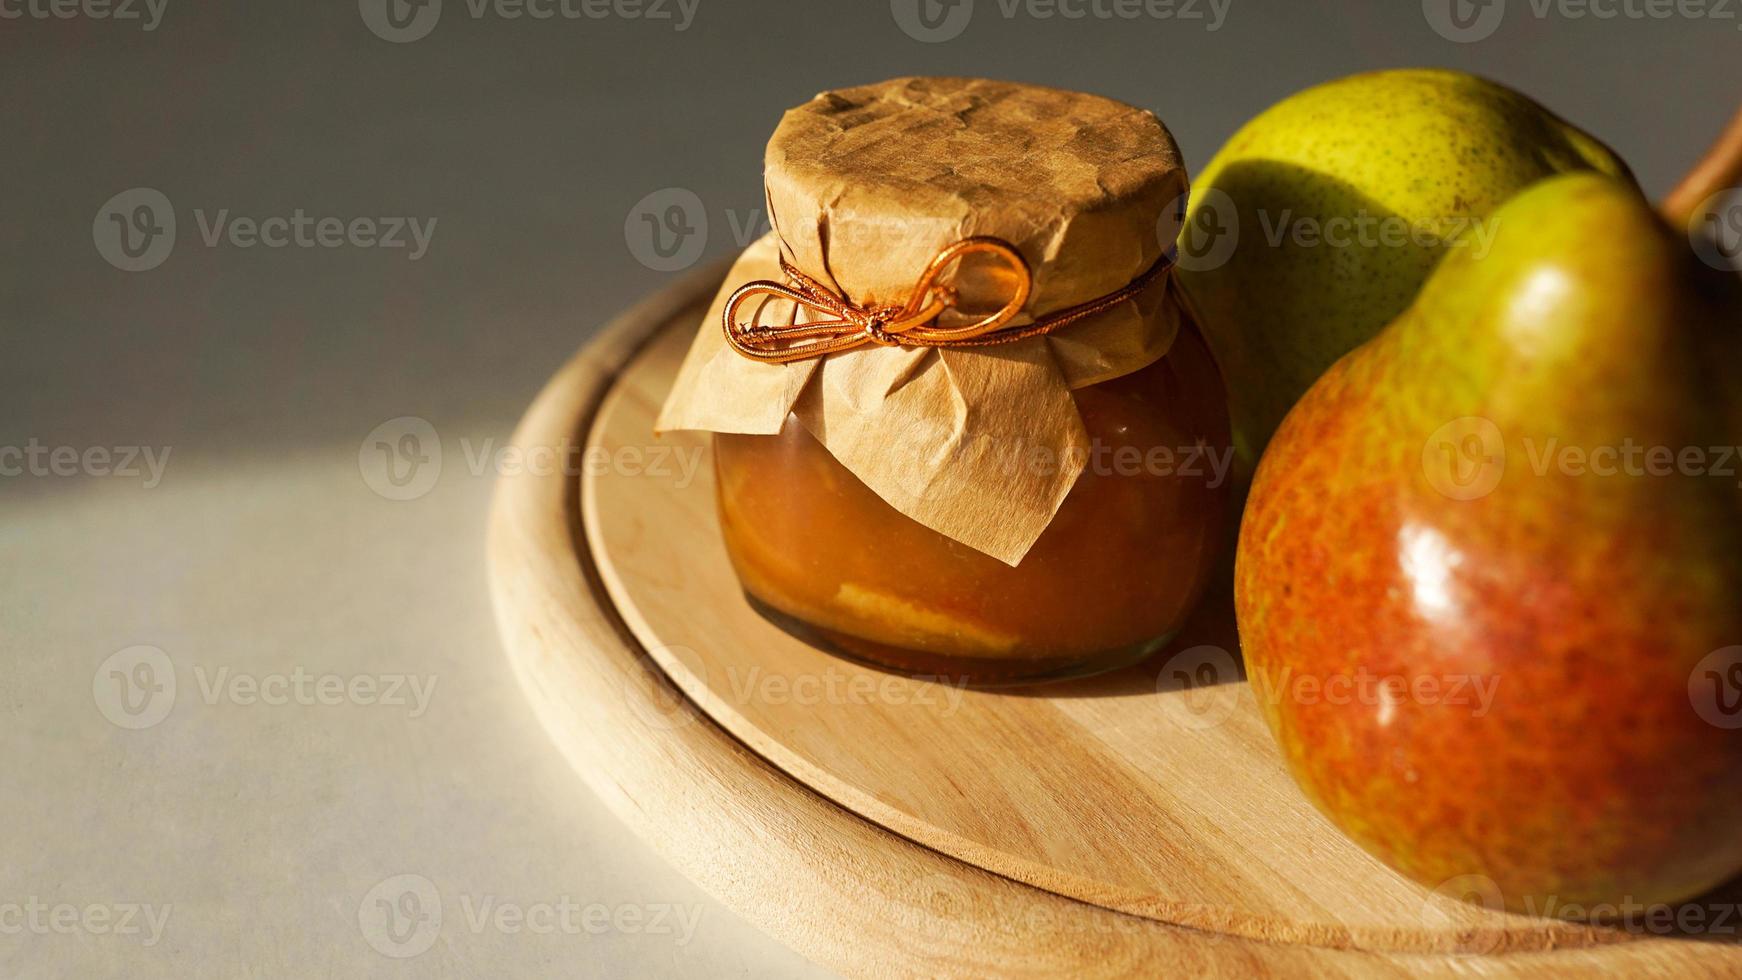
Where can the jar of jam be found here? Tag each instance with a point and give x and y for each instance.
(1110, 580)
(1039, 498)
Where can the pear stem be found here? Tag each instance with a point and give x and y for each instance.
(1719, 169)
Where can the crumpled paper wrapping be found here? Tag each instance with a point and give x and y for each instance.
(865, 186)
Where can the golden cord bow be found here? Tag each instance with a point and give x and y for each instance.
(910, 325)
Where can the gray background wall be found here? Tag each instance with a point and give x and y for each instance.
(531, 143)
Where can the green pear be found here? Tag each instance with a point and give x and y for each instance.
(1341, 200)
(1489, 583)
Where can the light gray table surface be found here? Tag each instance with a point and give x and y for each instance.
(258, 816)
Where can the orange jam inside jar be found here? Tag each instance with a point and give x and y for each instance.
(1109, 581)
(962, 426)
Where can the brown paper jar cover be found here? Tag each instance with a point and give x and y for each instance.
(932, 509)
(864, 187)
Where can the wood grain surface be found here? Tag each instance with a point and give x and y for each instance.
(885, 826)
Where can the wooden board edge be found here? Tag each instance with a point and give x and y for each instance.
(828, 883)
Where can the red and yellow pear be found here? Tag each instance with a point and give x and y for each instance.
(1509, 521)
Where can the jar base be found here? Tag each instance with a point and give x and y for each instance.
(976, 672)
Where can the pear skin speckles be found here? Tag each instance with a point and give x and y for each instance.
(1582, 604)
(1406, 151)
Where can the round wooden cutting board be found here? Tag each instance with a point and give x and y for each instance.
(1134, 822)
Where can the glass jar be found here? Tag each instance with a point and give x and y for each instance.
(1109, 582)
